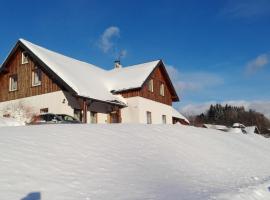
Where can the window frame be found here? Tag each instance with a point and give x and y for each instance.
(162, 89)
(44, 110)
(12, 77)
(150, 85)
(164, 119)
(33, 75)
(148, 117)
(25, 58)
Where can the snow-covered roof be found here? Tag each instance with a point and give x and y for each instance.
(80, 76)
(130, 77)
(90, 81)
(215, 126)
(238, 125)
(178, 115)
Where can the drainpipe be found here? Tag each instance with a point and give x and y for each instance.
(84, 111)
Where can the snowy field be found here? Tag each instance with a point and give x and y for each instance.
(131, 162)
(10, 122)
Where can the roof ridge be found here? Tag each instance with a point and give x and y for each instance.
(60, 54)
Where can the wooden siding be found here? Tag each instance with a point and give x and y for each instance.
(158, 78)
(24, 72)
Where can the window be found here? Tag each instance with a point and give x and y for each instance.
(13, 83)
(78, 114)
(36, 77)
(161, 89)
(149, 117)
(6, 115)
(164, 121)
(150, 85)
(44, 110)
(24, 57)
(93, 116)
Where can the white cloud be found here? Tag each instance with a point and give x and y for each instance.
(260, 106)
(193, 81)
(106, 42)
(258, 63)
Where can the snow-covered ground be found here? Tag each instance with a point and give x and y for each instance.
(132, 162)
(4, 121)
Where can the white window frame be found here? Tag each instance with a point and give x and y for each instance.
(164, 119)
(25, 58)
(13, 83)
(151, 85)
(39, 75)
(162, 89)
(148, 117)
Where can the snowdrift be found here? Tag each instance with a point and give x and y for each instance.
(131, 162)
(4, 121)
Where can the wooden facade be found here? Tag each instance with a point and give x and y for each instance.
(159, 77)
(24, 73)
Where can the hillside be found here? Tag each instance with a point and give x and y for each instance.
(130, 162)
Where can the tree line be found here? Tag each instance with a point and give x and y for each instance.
(228, 115)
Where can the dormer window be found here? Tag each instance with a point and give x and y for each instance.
(151, 85)
(25, 59)
(161, 90)
(13, 83)
(36, 77)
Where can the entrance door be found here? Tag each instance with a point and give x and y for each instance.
(114, 117)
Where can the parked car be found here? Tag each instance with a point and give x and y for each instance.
(68, 119)
(50, 118)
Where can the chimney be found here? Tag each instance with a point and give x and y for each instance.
(117, 64)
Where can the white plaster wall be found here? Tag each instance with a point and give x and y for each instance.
(102, 118)
(56, 102)
(63, 103)
(130, 114)
(137, 108)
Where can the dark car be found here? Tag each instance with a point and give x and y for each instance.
(47, 118)
(50, 118)
(68, 119)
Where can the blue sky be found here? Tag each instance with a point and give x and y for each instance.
(216, 51)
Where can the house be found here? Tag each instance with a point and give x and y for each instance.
(44, 81)
(177, 117)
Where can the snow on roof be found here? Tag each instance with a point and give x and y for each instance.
(177, 114)
(130, 77)
(89, 80)
(80, 76)
(238, 125)
(215, 126)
